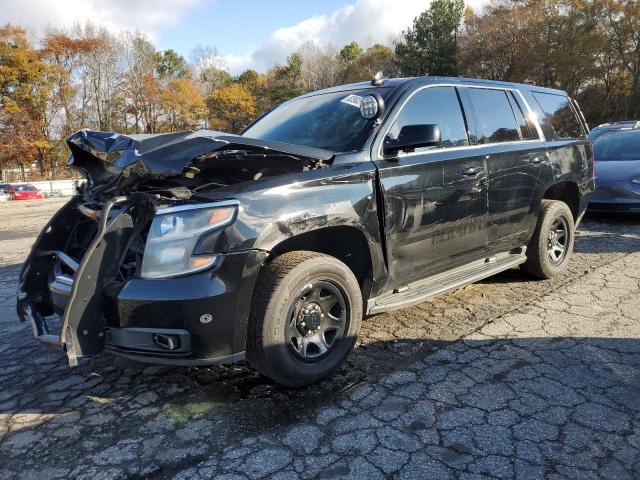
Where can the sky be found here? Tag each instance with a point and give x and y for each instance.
(246, 33)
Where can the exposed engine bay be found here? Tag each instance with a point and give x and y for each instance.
(138, 216)
(158, 171)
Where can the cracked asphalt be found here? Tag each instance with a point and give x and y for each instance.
(507, 378)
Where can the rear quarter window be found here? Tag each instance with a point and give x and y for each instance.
(556, 116)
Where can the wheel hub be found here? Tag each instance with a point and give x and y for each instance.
(558, 240)
(317, 321)
(309, 319)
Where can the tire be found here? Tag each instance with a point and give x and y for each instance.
(539, 262)
(283, 342)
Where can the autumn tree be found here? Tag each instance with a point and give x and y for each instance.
(65, 53)
(587, 49)
(284, 80)
(25, 87)
(496, 45)
(375, 59)
(624, 33)
(171, 65)
(208, 72)
(257, 85)
(430, 46)
(142, 85)
(100, 79)
(350, 53)
(321, 67)
(88, 77)
(184, 106)
(233, 107)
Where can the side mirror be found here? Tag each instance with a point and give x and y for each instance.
(412, 137)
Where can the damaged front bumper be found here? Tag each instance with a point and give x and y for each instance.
(197, 319)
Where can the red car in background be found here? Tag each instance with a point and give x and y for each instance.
(23, 192)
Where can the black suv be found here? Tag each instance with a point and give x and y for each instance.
(197, 248)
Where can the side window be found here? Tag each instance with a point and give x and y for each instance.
(435, 105)
(558, 120)
(496, 122)
(525, 131)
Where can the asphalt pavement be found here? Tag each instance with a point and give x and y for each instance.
(507, 378)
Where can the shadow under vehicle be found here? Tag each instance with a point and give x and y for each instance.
(196, 248)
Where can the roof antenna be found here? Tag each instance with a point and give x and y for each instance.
(378, 79)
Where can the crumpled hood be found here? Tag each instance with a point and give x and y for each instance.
(103, 154)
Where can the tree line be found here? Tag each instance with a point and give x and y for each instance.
(88, 77)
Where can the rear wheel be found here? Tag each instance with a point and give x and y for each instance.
(551, 246)
(305, 317)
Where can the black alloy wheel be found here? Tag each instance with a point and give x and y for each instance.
(317, 321)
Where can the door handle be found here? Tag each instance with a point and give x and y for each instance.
(471, 170)
(536, 159)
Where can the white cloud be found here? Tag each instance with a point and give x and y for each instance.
(365, 21)
(148, 16)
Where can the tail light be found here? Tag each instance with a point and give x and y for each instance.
(593, 157)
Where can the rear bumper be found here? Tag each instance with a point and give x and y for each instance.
(199, 319)
(613, 207)
(616, 196)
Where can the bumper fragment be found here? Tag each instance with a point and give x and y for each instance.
(198, 319)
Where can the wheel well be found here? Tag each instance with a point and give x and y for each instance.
(347, 244)
(568, 193)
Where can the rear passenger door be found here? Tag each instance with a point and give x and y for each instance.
(515, 155)
(566, 142)
(435, 198)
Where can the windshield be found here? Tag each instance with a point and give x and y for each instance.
(331, 121)
(25, 188)
(618, 146)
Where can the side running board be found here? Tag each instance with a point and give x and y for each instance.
(422, 290)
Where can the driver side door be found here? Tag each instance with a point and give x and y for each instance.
(435, 198)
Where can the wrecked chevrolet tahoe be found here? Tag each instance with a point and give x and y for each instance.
(202, 247)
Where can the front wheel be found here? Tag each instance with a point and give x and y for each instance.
(305, 317)
(551, 246)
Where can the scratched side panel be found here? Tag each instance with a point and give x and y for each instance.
(435, 217)
(279, 208)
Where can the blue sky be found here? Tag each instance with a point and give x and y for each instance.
(247, 33)
(236, 27)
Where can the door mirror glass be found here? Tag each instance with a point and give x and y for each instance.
(412, 137)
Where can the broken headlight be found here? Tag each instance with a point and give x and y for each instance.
(174, 233)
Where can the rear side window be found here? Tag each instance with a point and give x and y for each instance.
(557, 118)
(494, 116)
(435, 105)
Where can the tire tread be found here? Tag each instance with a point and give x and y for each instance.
(535, 264)
(269, 279)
